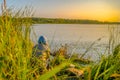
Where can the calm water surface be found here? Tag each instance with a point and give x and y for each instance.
(71, 32)
(78, 36)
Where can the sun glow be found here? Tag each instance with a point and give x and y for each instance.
(102, 10)
(98, 11)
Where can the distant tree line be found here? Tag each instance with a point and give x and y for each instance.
(59, 21)
(68, 21)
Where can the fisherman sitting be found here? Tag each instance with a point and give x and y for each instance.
(41, 52)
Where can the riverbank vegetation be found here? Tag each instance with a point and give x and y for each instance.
(68, 21)
(16, 54)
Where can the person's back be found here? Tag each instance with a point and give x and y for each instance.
(41, 51)
(41, 47)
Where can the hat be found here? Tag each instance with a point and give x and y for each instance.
(42, 39)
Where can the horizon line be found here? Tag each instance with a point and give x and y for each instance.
(76, 19)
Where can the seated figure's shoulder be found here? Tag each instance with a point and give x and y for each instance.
(41, 46)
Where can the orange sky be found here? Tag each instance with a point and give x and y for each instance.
(102, 10)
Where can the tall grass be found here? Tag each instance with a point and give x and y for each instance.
(15, 45)
(16, 48)
(109, 64)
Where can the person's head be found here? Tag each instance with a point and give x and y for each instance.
(42, 40)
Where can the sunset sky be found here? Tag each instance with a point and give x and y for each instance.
(102, 10)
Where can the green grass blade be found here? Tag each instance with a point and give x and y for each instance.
(51, 73)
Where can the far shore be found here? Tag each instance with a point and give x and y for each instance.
(68, 21)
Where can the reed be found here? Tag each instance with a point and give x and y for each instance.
(15, 45)
(108, 65)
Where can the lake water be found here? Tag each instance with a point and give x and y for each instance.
(78, 36)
